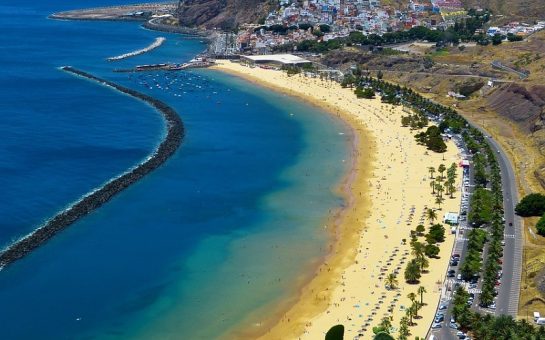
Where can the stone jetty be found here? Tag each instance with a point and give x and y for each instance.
(158, 42)
(95, 199)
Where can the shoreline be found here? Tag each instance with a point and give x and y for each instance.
(96, 198)
(321, 297)
(337, 257)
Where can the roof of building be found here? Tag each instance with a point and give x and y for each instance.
(281, 58)
(451, 217)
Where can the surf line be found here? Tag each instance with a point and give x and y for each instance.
(158, 42)
(96, 198)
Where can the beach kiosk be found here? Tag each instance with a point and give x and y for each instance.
(451, 218)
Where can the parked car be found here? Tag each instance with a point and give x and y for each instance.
(436, 325)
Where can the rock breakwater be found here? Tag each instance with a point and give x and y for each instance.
(158, 42)
(96, 198)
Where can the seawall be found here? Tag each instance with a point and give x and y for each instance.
(96, 198)
(158, 42)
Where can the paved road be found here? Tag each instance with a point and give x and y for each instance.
(499, 65)
(508, 297)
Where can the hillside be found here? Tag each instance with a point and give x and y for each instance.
(222, 14)
(512, 10)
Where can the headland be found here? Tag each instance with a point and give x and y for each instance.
(95, 199)
(387, 197)
(136, 12)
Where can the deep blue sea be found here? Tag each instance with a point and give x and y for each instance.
(219, 234)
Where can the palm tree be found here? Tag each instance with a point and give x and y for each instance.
(423, 262)
(431, 170)
(391, 281)
(432, 185)
(441, 169)
(412, 272)
(386, 324)
(418, 249)
(431, 215)
(451, 188)
(411, 312)
(439, 200)
(411, 296)
(421, 290)
(416, 307)
(440, 189)
(404, 328)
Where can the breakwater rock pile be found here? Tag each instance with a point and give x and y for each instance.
(158, 42)
(95, 199)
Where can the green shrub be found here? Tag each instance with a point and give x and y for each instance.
(540, 226)
(335, 333)
(531, 205)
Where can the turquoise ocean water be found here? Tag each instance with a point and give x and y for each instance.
(221, 231)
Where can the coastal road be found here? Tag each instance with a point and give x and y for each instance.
(508, 297)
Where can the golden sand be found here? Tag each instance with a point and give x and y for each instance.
(388, 194)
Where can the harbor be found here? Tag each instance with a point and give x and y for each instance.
(194, 63)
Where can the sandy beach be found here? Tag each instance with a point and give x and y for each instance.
(387, 193)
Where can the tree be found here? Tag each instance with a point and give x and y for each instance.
(411, 312)
(436, 234)
(386, 324)
(379, 75)
(441, 169)
(497, 39)
(423, 262)
(383, 336)
(411, 296)
(421, 290)
(335, 333)
(404, 328)
(417, 249)
(439, 200)
(412, 272)
(431, 215)
(440, 189)
(531, 205)
(540, 226)
(416, 307)
(451, 188)
(420, 229)
(431, 250)
(391, 281)
(432, 185)
(431, 170)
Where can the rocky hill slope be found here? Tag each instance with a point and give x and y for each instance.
(222, 14)
(520, 9)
